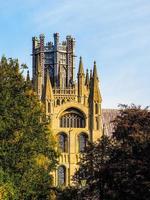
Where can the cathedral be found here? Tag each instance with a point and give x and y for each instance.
(72, 105)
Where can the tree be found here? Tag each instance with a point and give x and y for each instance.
(68, 193)
(7, 188)
(92, 169)
(129, 161)
(118, 167)
(27, 146)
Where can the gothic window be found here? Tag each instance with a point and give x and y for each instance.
(63, 142)
(67, 121)
(83, 138)
(61, 176)
(49, 107)
(72, 118)
(63, 101)
(58, 102)
(78, 122)
(71, 121)
(75, 122)
(51, 74)
(64, 121)
(96, 108)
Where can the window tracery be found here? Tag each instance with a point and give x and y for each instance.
(72, 118)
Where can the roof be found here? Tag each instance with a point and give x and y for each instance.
(108, 115)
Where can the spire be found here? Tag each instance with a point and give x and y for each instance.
(95, 86)
(81, 70)
(95, 71)
(91, 75)
(81, 81)
(48, 94)
(28, 76)
(29, 83)
(87, 80)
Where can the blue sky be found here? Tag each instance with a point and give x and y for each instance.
(115, 33)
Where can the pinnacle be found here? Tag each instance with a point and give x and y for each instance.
(95, 70)
(48, 89)
(91, 74)
(81, 70)
(28, 76)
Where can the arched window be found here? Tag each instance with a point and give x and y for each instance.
(63, 76)
(49, 107)
(58, 102)
(72, 118)
(63, 142)
(63, 101)
(83, 139)
(96, 108)
(61, 176)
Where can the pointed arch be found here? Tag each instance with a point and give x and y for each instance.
(72, 118)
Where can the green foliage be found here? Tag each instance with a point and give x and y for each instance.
(7, 188)
(37, 182)
(26, 145)
(118, 168)
(91, 168)
(131, 180)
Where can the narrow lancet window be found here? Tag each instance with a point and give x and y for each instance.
(61, 176)
(83, 139)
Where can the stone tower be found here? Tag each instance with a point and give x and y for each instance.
(73, 108)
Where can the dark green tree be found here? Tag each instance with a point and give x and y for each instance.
(129, 174)
(68, 193)
(92, 169)
(118, 168)
(27, 147)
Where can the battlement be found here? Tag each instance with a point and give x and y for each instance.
(64, 92)
(38, 41)
(58, 58)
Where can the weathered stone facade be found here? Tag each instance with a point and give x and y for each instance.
(73, 108)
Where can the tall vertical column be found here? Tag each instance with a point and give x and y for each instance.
(38, 77)
(56, 59)
(73, 59)
(70, 60)
(34, 63)
(42, 60)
